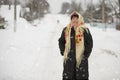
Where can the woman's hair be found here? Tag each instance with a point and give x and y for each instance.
(74, 15)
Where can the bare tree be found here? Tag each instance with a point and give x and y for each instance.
(37, 9)
(113, 7)
(103, 11)
(15, 16)
(76, 7)
(65, 8)
(119, 11)
(103, 15)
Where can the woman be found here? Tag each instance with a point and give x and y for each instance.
(76, 45)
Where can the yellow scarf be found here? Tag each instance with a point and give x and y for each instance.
(79, 40)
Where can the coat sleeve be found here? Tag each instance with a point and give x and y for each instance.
(61, 42)
(88, 43)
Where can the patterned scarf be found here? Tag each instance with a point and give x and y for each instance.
(79, 40)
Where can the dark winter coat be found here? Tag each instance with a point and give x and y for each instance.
(70, 70)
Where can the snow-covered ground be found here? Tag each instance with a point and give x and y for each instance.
(32, 52)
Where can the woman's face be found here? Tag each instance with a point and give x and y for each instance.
(74, 21)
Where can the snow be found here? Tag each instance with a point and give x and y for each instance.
(104, 61)
(32, 53)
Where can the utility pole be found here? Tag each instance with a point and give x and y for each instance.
(103, 15)
(119, 10)
(15, 16)
(92, 12)
(9, 4)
